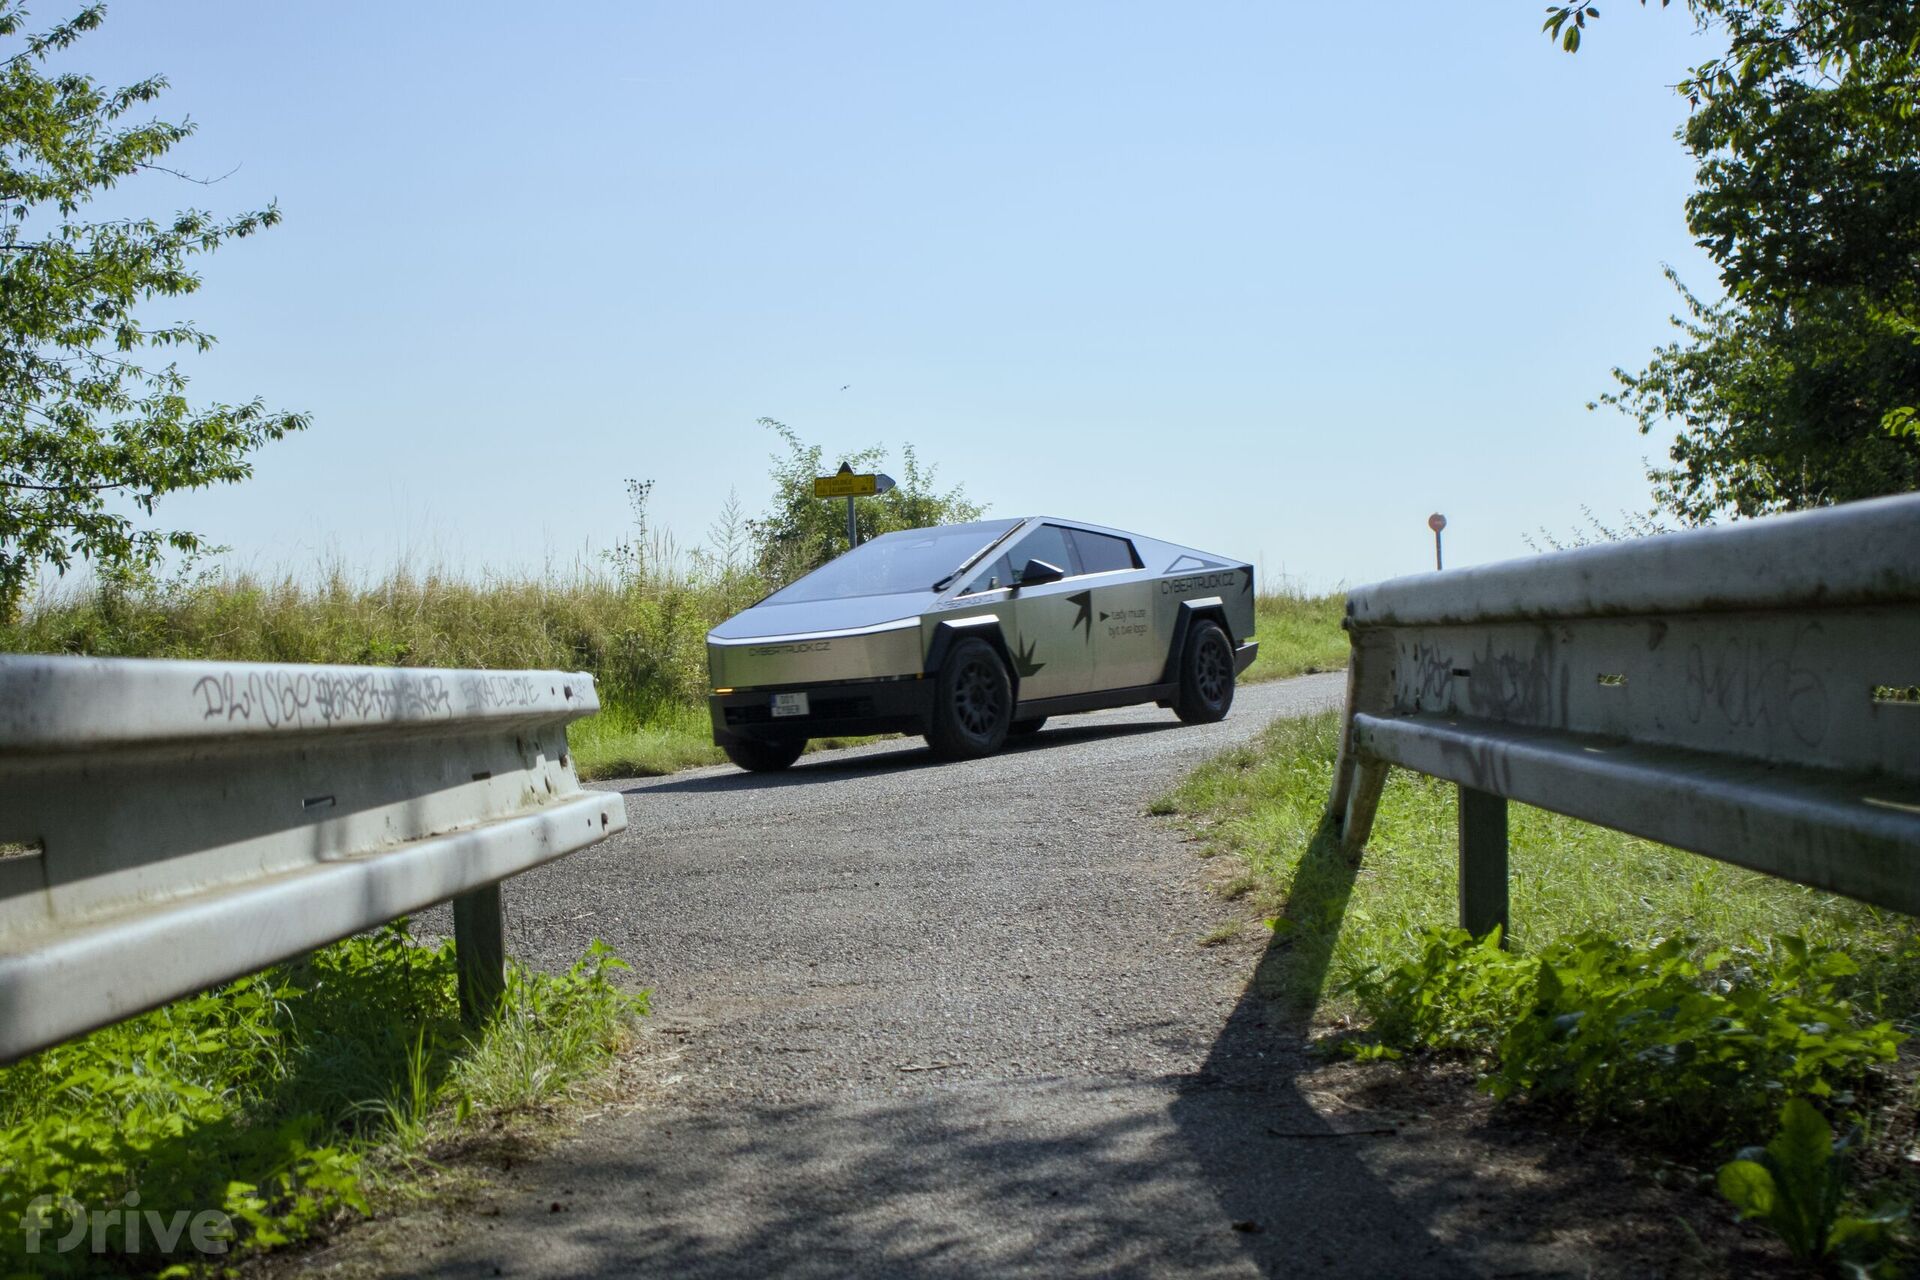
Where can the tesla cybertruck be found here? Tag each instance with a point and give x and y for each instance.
(969, 633)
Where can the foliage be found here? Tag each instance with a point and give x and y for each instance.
(276, 1099)
(1597, 531)
(1457, 993)
(1299, 634)
(1263, 803)
(637, 623)
(1675, 1039)
(82, 419)
(1799, 387)
(1796, 1186)
(1666, 1037)
(800, 532)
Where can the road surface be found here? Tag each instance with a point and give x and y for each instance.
(925, 1019)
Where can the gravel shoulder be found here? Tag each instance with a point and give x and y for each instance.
(936, 1019)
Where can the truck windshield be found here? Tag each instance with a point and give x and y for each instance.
(911, 560)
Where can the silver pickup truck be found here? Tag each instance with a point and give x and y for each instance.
(970, 632)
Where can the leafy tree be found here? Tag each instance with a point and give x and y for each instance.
(800, 532)
(1798, 388)
(88, 429)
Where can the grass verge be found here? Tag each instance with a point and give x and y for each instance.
(1674, 998)
(262, 1113)
(622, 743)
(1262, 803)
(1299, 635)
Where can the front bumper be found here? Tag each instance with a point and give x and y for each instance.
(834, 710)
(1244, 655)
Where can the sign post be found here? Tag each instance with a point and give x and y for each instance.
(1436, 522)
(845, 483)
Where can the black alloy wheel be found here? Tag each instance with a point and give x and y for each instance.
(1206, 675)
(973, 703)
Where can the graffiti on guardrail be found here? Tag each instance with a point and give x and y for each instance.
(284, 700)
(1507, 686)
(490, 691)
(1751, 687)
(1436, 672)
(1501, 684)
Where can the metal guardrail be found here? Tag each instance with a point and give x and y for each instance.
(1743, 692)
(167, 826)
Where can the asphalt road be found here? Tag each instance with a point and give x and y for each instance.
(922, 1019)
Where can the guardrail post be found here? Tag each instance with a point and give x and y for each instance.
(1483, 862)
(480, 947)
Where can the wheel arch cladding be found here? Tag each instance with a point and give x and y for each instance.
(1209, 609)
(985, 627)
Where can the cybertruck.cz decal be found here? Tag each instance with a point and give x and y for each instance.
(1198, 582)
(804, 646)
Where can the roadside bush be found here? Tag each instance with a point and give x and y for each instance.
(1686, 1045)
(272, 1104)
(1457, 994)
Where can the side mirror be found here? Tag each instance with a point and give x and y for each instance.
(1037, 573)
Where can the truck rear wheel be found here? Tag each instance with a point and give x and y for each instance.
(1206, 675)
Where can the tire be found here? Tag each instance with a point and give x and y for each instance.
(972, 703)
(757, 756)
(1025, 728)
(1206, 675)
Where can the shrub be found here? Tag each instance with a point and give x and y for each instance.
(1684, 1045)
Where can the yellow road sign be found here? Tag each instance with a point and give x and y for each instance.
(846, 485)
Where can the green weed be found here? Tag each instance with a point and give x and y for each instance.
(276, 1102)
(639, 629)
(1646, 988)
(1678, 1042)
(1796, 1187)
(1264, 803)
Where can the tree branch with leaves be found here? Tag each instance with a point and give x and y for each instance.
(1799, 386)
(94, 419)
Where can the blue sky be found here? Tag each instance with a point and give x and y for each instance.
(1274, 280)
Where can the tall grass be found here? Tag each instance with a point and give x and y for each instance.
(638, 625)
(1263, 803)
(640, 634)
(1299, 634)
(1678, 998)
(288, 1099)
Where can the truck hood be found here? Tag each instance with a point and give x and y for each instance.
(810, 617)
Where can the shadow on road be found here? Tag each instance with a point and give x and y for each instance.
(1246, 1165)
(909, 753)
(1221, 1171)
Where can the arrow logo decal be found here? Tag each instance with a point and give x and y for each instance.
(1084, 599)
(1023, 659)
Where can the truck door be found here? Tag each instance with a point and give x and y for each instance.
(1052, 635)
(1126, 651)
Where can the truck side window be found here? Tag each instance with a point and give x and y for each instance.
(1103, 553)
(1048, 542)
(998, 573)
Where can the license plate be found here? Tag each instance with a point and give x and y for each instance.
(789, 704)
